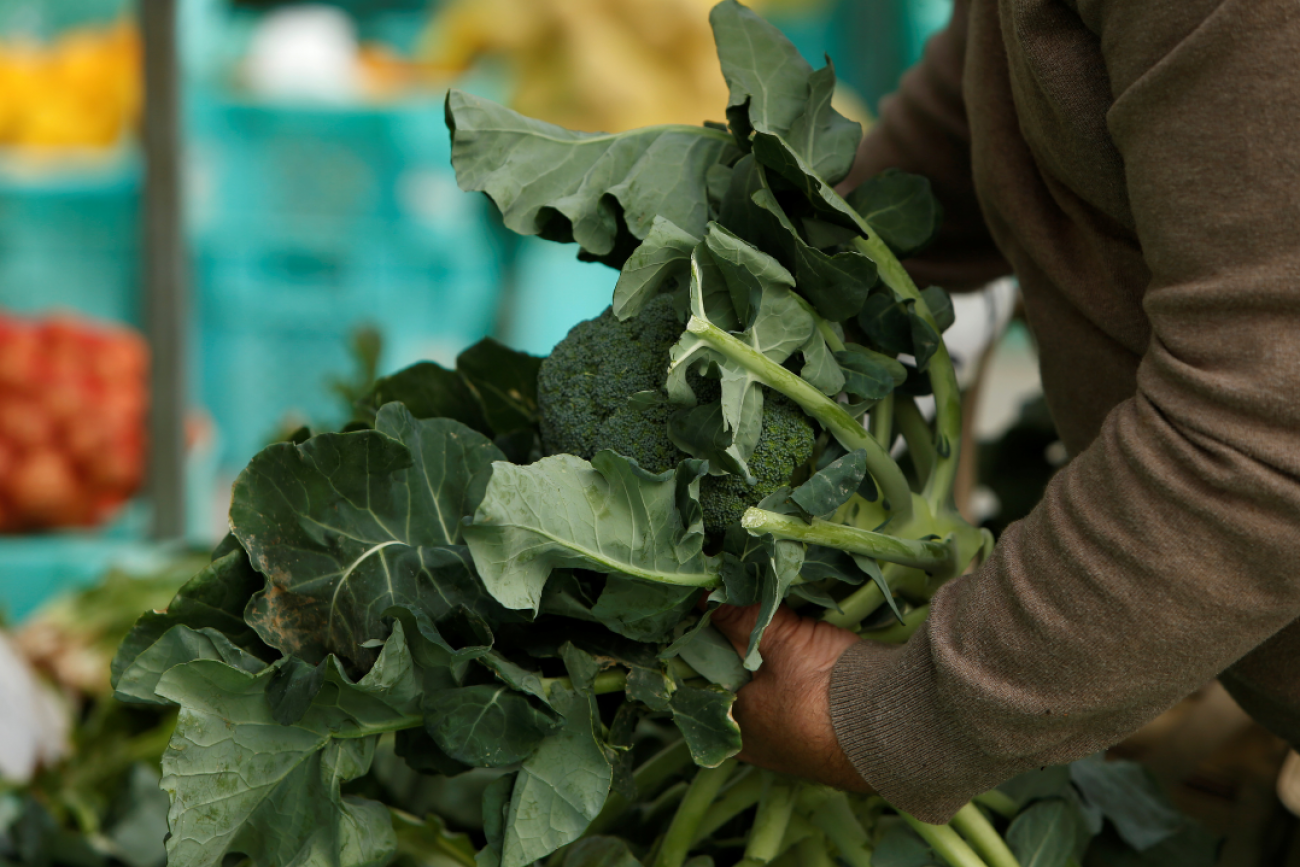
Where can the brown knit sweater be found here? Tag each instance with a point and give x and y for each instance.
(1137, 164)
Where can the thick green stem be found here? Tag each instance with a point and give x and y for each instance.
(983, 838)
(410, 721)
(676, 843)
(917, 553)
(739, 797)
(774, 811)
(799, 828)
(882, 421)
(916, 433)
(898, 633)
(943, 376)
(946, 842)
(649, 779)
(857, 606)
(669, 801)
(812, 853)
(614, 680)
(835, 817)
(1002, 804)
(842, 426)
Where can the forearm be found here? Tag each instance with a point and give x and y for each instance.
(1155, 561)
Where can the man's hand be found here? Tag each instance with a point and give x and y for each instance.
(784, 712)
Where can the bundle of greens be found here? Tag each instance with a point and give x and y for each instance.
(504, 573)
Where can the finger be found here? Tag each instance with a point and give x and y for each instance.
(736, 622)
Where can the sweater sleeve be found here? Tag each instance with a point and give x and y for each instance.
(923, 129)
(1166, 551)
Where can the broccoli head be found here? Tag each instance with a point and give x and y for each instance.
(583, 390)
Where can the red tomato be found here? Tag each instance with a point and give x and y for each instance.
(24, 422)
(119, 467)
(44, 490)
(19, 354)
(121, 409)
(85, 441)
(8, 461)
(122, 357)
(65, 400)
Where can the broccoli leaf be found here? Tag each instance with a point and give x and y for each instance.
(830, 488)
(901, 209)
(663, 258)
(706, 650)
(779, 325)
(599, 190)
(643, 610)
(214, 598)
(1046, 834)
(869, 375)
(241, 783)
(940, 306)
(486, 726)
(774, 90)
(429, 390)
(505, 381)
(782, 568)
(777, 154)
(138, 681)
(600, 852)
(346, 526)
(563, 785)
(820, 367)
(835, 284)
(703, 715)
(1130, 798)
(608, 515)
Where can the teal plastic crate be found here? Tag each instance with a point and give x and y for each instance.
(70, 238)
(873, 44)
(277, 308)
(551, 292)
(46, 19)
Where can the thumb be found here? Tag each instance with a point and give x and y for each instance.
(736, 622)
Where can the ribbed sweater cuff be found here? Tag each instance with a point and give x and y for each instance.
(890, 724)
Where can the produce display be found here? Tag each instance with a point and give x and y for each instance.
(73, 403)
(84, 89)
(96, 803)
(495, 587)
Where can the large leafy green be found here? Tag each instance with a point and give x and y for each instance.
(1046, 834)
(661, 262)
(608, 515)
(214, 598)
(600, 190)
(487, 726)
(901, 209)
(747, 286)
(242, 783)
(703, 714)
(1130, 798)
(563, 785)
(774, 90)
(835, 283)
(346, 526)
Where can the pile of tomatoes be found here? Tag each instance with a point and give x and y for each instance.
(73, 405)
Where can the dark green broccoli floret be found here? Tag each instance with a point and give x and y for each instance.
(583, 387)
(784, 445)
(583, 390)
